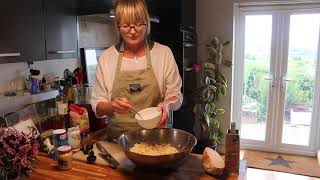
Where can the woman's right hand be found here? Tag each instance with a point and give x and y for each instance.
(121, 105)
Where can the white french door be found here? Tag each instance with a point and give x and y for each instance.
(276, 78)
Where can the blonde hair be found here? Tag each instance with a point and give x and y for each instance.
(131, 12)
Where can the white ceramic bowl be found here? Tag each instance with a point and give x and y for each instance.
(151, 117)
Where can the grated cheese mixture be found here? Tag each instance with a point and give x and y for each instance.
(153, 150)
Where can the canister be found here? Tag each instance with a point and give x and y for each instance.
(74, 138)
(59, 139)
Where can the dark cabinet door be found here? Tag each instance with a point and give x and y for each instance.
(21, 31)
(180, 13)
(87, 7)
(188, 13)
(61, 28)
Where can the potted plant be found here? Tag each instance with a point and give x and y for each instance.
(213, 84)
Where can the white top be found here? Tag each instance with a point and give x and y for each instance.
(163, 64)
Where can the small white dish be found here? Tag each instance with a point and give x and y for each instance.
(150, 117)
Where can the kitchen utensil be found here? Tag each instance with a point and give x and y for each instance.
(181, 140)
(151, 117)
(107, 156)
(133, 110)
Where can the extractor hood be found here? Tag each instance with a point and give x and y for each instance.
(106, 18)
(101, 11)
(97, 18)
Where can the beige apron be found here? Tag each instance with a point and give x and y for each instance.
(149, 96)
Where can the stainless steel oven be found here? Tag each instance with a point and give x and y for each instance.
(186, 59)
(189, 56)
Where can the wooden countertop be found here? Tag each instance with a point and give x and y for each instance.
(191, 169)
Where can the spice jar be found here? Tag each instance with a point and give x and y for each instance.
(64, 157)
(74, 138)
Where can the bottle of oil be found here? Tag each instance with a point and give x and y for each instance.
(232, 150)
(62, 117)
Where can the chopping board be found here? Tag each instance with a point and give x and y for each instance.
(114, 149)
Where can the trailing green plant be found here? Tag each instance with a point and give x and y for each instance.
(213, 84)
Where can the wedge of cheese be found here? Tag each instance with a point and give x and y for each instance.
(212, 162)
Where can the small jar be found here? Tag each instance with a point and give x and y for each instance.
(64, 158)
(74, 138)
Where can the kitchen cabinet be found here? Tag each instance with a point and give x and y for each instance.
(188, 13)
(182, 14)
(21, 31)
(87, 7)
(61, 33)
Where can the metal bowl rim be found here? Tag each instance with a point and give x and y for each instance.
(166, 155)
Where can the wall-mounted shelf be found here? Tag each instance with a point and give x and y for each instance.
(14, 103)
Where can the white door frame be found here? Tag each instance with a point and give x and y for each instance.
(280, 31)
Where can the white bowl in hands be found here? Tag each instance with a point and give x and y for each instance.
(150, 117)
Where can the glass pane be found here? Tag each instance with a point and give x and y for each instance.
(258, 33)
(303, 44)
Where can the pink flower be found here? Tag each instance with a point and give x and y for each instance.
(17, 151)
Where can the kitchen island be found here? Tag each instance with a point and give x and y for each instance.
(190, 169)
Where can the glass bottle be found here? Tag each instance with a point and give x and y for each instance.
(62, 103)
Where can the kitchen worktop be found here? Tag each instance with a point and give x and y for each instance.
(191, 169)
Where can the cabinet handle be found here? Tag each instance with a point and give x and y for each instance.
(10, 55)
(62, 52)
(189, 69)
(189, 45)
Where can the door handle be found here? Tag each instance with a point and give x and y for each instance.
(284, 81)
(269, 78)
(10, 55)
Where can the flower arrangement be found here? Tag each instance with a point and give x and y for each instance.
(17, 153)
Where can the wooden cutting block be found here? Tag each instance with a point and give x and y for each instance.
(114, 149)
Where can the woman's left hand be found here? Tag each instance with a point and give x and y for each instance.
(165, 114)
(170, 104)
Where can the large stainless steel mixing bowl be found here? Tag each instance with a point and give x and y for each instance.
(183, 141)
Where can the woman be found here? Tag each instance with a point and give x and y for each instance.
(136, 73)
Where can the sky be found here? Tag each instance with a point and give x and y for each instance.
(304, 32)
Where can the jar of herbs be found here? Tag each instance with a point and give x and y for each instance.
(64, 157)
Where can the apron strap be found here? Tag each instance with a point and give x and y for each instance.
(148, 56)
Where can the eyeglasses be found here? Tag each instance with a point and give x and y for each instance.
(136, 27)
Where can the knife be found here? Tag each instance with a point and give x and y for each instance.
(105, 155)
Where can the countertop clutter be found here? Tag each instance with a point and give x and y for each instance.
(191, 169)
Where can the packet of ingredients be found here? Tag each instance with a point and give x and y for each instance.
(79, 117)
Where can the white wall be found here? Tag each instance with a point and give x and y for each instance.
(215, 17)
